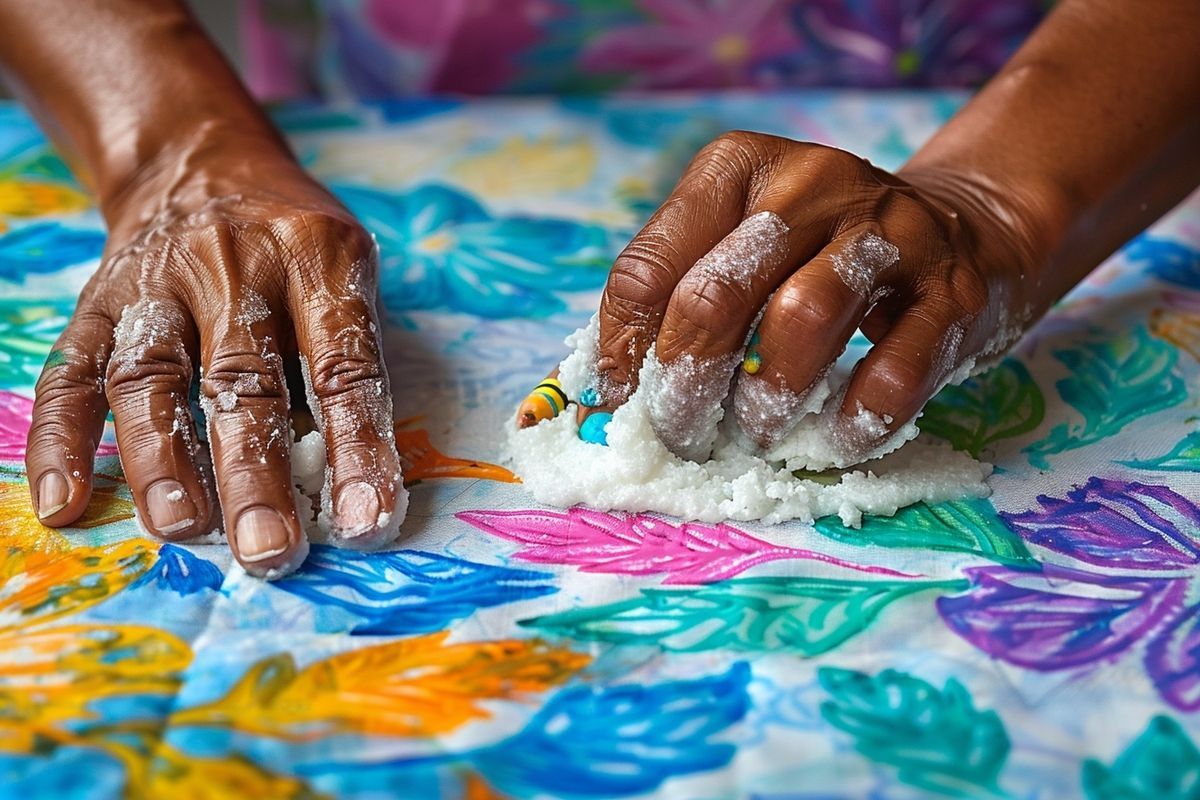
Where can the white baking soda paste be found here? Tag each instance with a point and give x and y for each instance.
(636, 472)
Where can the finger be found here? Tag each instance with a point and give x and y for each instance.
(804, 328)
(68, 419)
(704, 329)
(244, 395)
(900, 373)
(364, 499)
(147, 387)
(705, 206)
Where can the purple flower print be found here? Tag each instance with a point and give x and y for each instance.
(885, 43)
(1116, 524)
(1058, 618)
(1173, 661)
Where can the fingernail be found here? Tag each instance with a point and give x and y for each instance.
(595, 428)
(52, 494)
(767, 412)
(261, 534)
(686, 399)
(169, 507)
(860, 436)
(357, 508)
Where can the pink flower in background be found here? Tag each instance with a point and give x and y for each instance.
(471, 45)
(16, 414)
(694, 43)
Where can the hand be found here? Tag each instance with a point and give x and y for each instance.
(228, 256)
(821, 243)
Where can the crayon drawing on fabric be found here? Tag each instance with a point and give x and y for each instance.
(1042, 642)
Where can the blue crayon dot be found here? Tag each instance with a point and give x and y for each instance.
(589, 397)
(595, 428)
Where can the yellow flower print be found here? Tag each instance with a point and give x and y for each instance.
(418, 686)
(24, 198)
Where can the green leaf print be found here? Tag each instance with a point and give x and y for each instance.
(961, 526)
(1161, 764)
(999, 404)
(1112, 383)
(28, 329)
(1184, 457)
(937, 740)
(808, 616)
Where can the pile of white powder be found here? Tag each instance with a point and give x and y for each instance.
(636, 472)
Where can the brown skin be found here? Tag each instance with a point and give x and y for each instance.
(1081, 142)
(205, 205)
(1086, 137)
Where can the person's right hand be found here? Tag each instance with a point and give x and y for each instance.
(229, 257)
(820, 243)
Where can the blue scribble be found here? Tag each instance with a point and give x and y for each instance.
(591, 741)
(440, 248)
(178, 570)
(1170, 261)
(627, 739)
(46, 247)
(408, 592)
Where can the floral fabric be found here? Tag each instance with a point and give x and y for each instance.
(1040, 643)
(391, 48)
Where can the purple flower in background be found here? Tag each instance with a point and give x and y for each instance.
(1116, 524)
(1058, 618)
(1173, 661)
(881, 43)
(694, 43)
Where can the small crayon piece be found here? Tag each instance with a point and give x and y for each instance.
(595, 428)
(546, 401)
(589, 397)
(752, 363)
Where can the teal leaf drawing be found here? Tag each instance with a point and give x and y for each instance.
(1112, 383)
(1001, 403)
(1184, 457)
(1161, 764)
(962, 526)
(807, 616)
(936, 739)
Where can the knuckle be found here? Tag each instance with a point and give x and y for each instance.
(325, 231)
(734, 156)
(711, 303)
(335, 372)
(132, 370)
(643, 275)
(245, 373)
(72, 374)
(803, 312)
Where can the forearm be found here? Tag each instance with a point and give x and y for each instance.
(125, 87)
(1086, 137)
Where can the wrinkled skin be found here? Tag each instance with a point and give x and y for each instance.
(1008, 206)
(929, 310)
(229, 271)
(225, 261)
(1057, 162)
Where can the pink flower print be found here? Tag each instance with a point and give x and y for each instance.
(694, 43)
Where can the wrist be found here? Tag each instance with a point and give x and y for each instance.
(210, 162)
(1012, 227)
